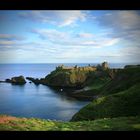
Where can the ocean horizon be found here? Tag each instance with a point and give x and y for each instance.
(40, 70)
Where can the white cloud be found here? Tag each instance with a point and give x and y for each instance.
(87, 55)
(116, 36)
(71, 39)
(6, 42)
(57, 17)
(85, 35)
(88, 43)
(111, 42)
(50, 34)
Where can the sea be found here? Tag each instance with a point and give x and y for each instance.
(38, 101)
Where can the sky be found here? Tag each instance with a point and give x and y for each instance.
(69, 36)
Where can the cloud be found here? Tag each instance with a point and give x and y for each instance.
(11, 42)
(11, 37)
(74, 39)
(87, 55)
(71, 46)
(116, 37)
(111, 41)
(132, 51)
(124, 24)
(5, 43)
(50, 34)
(121, 20)
(60, 18)
(85, 35)
(57, 46)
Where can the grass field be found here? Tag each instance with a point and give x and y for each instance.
(8, 123)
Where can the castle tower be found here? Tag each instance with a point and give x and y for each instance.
(105, 65)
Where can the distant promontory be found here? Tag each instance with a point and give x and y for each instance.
(74, 77)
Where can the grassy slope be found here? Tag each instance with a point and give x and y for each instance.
(94, 89)
(119, 97)
(124, 79)
(32, 124)
(125, 103)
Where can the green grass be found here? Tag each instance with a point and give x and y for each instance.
(94, 89)
(125, 103)
(124, 79)
(105, 124)
(117, 97)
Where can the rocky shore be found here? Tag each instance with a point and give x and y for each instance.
(84, 82)
(19, 80)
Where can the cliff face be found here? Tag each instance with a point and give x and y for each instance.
(68, 77)
(76, 77)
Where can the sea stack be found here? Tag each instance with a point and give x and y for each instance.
(19, 80)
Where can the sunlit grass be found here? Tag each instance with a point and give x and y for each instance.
(105, 124)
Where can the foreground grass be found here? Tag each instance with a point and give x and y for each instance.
(32, 124)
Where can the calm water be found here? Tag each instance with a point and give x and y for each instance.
(36, 101)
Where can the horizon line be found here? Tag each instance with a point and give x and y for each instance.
(76, 63)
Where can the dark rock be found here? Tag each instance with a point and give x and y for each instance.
(16, 80)
(34, 80)
(131, 66)
(8, 80)
(2, 81)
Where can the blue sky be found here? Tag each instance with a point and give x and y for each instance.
(62, 36)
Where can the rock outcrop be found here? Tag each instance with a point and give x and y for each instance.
(65, 77)
(16, 80)
(37, 81)
(34, 80)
